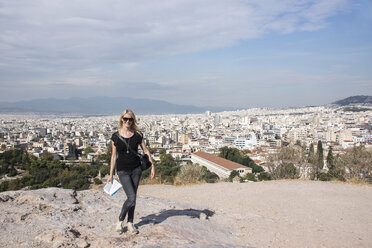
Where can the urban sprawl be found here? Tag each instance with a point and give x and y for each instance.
(262, 131)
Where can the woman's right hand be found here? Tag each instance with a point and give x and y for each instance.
(109, 180)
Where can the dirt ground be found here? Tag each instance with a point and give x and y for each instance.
(282, 213)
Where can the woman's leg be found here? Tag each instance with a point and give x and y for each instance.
(136, 176)
(126, 180)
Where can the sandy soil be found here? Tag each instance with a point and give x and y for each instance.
(282, 213)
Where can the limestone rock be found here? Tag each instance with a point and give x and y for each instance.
(55, 217)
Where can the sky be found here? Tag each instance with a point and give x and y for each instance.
(229, 53)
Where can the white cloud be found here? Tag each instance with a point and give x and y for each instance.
(86, 33)
(95, 47)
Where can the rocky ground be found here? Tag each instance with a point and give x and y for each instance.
(265, 214)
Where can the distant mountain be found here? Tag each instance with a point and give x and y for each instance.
(101, 106)
(355, 100)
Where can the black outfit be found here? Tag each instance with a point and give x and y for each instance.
(126, 159)
(129, 171)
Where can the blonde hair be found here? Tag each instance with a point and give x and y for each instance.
(134, 126)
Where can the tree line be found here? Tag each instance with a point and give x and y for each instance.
(241, 157)
(43, 172)
(289, 163)
(35, 173)
(292, 161)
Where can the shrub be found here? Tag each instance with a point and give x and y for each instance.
(285, 171)
(4, 186)
(41, 175)
(167, 168)
(15, 184)
(189, 173)
(79, 184)
(28, 180)
(75, 181)
(105, 170)
(256, 168)
(97, 181)
(209, 177)
(250, 177)
(325, 177)
(90, 170)
(357, 162)
(36, 186)
(12, 173)
(264, 176)
(51, 182)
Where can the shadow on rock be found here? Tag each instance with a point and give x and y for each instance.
(165, 214)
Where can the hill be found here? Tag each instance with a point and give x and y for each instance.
(355, 100)
(101, 106)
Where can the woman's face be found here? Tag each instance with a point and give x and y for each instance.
(127, 120)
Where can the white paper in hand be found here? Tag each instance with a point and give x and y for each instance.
(111, 189)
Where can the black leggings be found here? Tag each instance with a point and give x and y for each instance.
(129, 180)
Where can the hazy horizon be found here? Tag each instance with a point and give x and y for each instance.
(228, 108)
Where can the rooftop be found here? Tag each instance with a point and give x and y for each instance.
(230, 165)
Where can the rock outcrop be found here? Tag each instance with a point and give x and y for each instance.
(55, 217)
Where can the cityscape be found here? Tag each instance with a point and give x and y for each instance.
(259, 131)
(256, 115)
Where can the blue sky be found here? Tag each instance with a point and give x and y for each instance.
(254, 53)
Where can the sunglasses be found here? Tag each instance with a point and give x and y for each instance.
(125, 119)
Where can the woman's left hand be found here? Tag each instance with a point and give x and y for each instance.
(152, 171)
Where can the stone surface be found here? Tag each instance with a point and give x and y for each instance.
(56, 217)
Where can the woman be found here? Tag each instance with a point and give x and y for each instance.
(128, 165)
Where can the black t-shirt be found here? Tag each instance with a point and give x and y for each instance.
(127, 160)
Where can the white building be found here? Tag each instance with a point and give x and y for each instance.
(246, 142)
(222, 167)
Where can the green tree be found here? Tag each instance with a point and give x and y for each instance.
(233, 154)
(320, 155)
(47, 156)
(311, 156)
(233, 174)
(167, 168)
(318, 162)
(25, 160)
(10, 160)
(45, 172)
(264, 176)
(330, 160)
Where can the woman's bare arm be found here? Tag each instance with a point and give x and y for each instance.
(112, 162)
